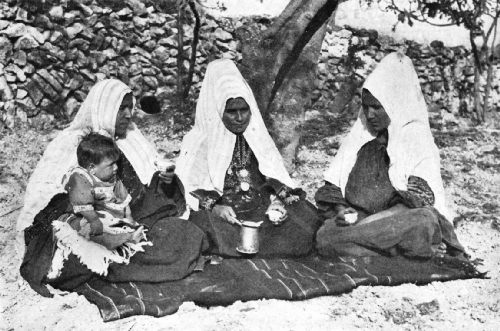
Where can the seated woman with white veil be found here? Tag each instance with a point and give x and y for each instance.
(383, 192)
(54, 253)
(233, 172)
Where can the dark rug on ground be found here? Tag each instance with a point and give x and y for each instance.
(252, 279)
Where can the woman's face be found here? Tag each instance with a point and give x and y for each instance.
(377, 119)
(124, 116)
(236, 115)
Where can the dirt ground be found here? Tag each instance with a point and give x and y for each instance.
(470, 167)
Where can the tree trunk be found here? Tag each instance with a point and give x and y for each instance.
(487, 91)
(282, 82)
(478, 108)
(180, 53)
(478, 69)
(489, 70)
(287, 110)
(194, 45)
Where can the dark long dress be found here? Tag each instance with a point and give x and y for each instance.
(412, 232)
(177, 243)
(295, 237)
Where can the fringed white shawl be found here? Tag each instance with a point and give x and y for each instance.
(97, 113)
(207, 150)
(411, 147)
(93, 255)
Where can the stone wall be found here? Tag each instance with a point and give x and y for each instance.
(446, 74)
(49, 62)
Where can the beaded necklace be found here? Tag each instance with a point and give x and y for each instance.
(243, 152)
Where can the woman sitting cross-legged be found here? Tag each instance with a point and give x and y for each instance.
(383, 192)
(233, 172)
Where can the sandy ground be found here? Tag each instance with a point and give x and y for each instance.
(471, 164)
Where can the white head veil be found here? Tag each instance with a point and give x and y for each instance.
(207, 149)
(411, 147)
(98, 114)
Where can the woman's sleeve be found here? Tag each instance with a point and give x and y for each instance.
(274, 186)
(156, 199)
(160, 199)
(207, 199)
(418, 195)
(121, 191)
(328, 199)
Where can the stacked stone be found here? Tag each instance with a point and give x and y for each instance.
(49, 62)
(446, 74)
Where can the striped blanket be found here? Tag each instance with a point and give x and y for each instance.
(251, 279)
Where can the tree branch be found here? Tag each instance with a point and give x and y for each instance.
(417, 14)
(194, 45)
(495, 30)
(180, 50)
(493, 25)
(475, 51)
(320, 17)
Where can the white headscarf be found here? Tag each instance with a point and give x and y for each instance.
(98, 114)
(207, 150)
(411, 147)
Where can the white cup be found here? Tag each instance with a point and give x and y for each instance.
(351, 218)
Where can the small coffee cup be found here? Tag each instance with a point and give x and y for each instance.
(275, 217)
(351, 218)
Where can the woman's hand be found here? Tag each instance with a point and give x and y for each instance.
(112, 241)
(287, 197)
(138, 235)
(227, 213)
(168, 175)
(276, 212)
(291, 199)
(340, 217)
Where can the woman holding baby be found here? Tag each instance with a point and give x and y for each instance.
(231, 173)
(384, 179)
(147, 241)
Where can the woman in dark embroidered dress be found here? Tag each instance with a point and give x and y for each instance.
(157, 201)
(233, 172)
(387, 173)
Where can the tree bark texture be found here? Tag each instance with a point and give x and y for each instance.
(478, 107)
(280, 67)
(287, 110)
(180, 53)
(487, 90)
(194, 45)
(489, 70)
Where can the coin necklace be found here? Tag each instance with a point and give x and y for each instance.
(243, 153)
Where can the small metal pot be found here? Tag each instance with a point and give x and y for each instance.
(249, 238)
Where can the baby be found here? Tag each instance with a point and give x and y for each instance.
(99, 201)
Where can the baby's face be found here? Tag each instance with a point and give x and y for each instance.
(106, 170)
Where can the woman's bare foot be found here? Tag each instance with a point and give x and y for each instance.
(440, 249)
